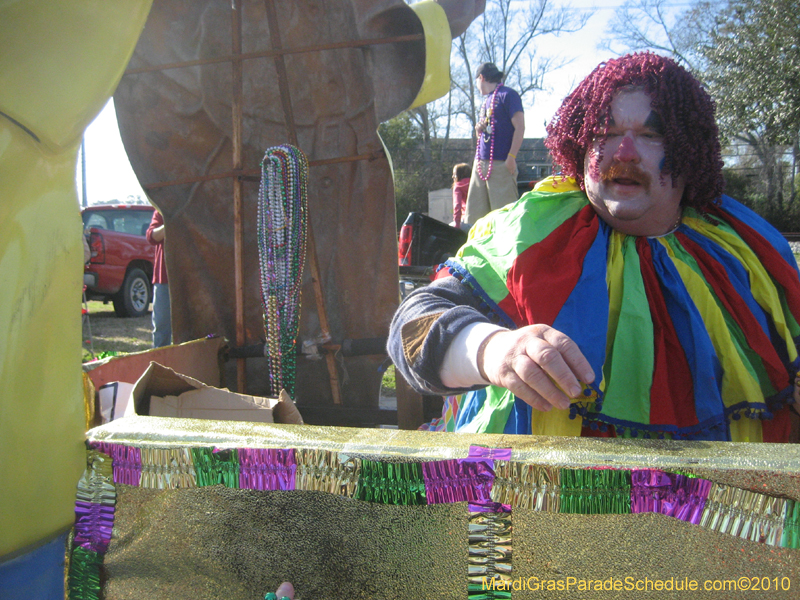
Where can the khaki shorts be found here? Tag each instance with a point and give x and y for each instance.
(486, 196)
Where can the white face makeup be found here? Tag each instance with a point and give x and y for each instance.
(622, 170)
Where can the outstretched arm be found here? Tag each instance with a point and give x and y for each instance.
(442, 344)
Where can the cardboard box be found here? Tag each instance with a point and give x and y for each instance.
(161, 392)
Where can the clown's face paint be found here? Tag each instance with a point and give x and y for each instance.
(623, 170)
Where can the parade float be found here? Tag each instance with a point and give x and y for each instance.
(211, 96)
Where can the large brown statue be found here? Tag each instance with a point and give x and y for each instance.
(177, 126)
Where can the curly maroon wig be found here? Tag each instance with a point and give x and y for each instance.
(691, 137)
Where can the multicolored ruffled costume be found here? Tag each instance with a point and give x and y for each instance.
(692, 335)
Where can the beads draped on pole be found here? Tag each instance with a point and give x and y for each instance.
(282, 238)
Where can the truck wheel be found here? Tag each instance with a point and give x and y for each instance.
(134, 296)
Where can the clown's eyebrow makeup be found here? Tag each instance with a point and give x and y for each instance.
(654, 122)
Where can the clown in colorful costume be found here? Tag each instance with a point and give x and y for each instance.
(632, 299)
(721, 293)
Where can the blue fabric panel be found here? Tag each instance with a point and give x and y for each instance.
(37, 575)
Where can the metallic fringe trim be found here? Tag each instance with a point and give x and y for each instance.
(127, 461)
(92, 528)
(214, 467)
(326, 471)
(167, 468)
(669, 494)
(391, 483)
(490, 538)
(455, 480)
(745, 514)
(267, 469)
(522, 485)
(96, 484)
(84, 575)
(791, 529)
(595, 491)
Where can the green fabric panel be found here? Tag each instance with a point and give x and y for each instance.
(493, 415)
(488, 257)
(629, 367)
(791, 322)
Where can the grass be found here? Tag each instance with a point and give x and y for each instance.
(112, 334)
(388, 383)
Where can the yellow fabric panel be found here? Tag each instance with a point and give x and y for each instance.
(437, 52)
(59, 62)
(557, 184)
(555, 422)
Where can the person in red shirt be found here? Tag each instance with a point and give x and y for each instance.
(162, 325)
(461, 176)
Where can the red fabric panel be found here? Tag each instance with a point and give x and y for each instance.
(672, 392)
(543, 276)
(777, 429)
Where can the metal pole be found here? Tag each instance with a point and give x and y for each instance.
(236, 115)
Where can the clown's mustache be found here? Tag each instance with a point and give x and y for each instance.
(626, 170)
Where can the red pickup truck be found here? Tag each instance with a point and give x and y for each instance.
(121, 267)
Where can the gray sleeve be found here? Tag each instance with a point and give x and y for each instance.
(425, 325)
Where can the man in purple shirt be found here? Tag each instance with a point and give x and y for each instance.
(500, 129)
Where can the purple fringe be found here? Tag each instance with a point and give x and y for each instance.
(93, 524)
(669, 494)
(464, 480)
(267, 469)
(491, 453)
(492, 507)
(126, 461)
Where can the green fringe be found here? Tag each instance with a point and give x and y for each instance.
(84, 574)
(477, 591)
(214, 468)
(595, 491)
(791, 529)
(391, 483)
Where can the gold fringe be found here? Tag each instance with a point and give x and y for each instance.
(167, 468)
(745, 514)
(523, 485)
(327, 471)
(96, 485)
(489, 547)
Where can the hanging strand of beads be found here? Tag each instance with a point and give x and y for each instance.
(489, 120)
(282, 237)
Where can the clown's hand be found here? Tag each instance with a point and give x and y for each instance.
(533, 363)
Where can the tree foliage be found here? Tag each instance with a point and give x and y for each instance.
(747, 53)
(752, 66)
